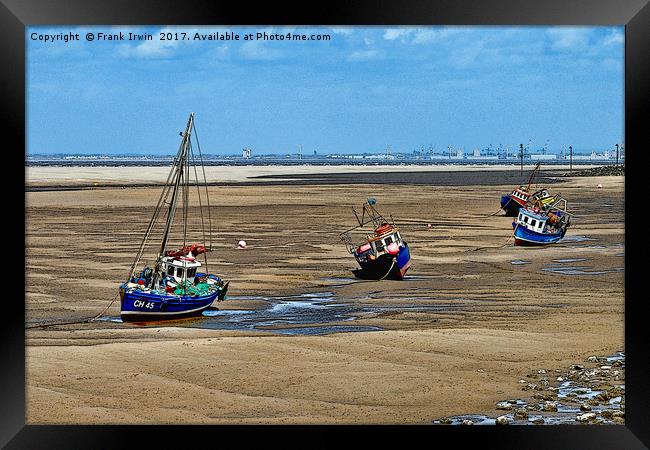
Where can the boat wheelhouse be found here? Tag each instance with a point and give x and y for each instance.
(537, 226)
(542, 199)
(382, 254)
(177, 284)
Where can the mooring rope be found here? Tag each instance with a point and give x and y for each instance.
(84, 320)
(389, 270)
(500, 246)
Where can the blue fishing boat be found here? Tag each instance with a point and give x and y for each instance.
(176, 284)
(382, 254)
(539, 224)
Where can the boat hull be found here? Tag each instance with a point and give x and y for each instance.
(138, 306)
(526, 237)
(387, 266)
(511, 205)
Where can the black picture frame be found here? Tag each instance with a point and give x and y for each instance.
(15, 15)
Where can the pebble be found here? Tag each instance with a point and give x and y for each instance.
(504, 405)
(537, 420)
(467, 422)
(585, 407)
(502, 420)
(550, 406)
(521, 414)
(586, 417)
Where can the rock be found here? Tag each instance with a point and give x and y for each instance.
(607, 414)
(550, 406)
(541, 371)
(605, 367)
(537, 421)
(585, 407)
(619, 420)
(576, 367)
(545, 396)
(445, 421)
(521, 414)
(617, 363)
(618, 414)
(467, 422)
(504, 405)
(502, 420)
(616, 391)
(560, 379)
(586, 417)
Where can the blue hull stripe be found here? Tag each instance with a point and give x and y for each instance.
(403, 258)
(142, 303)
(526, 235)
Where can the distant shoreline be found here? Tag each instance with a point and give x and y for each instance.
(79, 178)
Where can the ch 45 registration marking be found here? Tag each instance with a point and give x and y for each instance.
(143, 304)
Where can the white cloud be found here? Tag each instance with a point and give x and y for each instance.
(259, 51)
(342, 30)
(567, 38)
(363, 55)
(615, 37)
(393, 33)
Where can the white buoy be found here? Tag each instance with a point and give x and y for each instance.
(241, 244)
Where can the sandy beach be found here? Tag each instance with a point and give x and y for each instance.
(475, 315)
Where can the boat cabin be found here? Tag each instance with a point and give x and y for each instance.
(180, 268)
(531, 220)
(520, 193)
(387, 242)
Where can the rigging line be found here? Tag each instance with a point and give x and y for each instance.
(198, 189)
(162, 199)
(205, 181)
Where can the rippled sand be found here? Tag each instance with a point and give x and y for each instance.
(494, 323)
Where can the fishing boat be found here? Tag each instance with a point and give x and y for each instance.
(176, 284)
(521, 195)
(539, 224)
(381, 254)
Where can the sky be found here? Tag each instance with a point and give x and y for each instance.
(364, 89)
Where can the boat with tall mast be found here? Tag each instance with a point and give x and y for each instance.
(382, 254)
(177, 284)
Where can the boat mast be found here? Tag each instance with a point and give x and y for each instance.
(181, 162)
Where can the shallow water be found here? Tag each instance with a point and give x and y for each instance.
(518, 262)
(577, 238)
(580, 270)
(569, 260)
